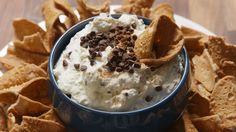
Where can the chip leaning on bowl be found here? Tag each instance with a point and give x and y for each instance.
(25, 106)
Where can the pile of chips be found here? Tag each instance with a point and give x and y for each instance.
(24, 101)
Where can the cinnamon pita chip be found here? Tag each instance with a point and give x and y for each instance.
(24, 27)
(189, 32)
(134, 9)
(28, 57)
(37, 125)
(144, 44)
(51, 15)
(137, 7)
(37, 90)
(142, 3)
(65, 6)
(223, 98)
(51, 115)
(223, 55)
(87, 10)
(20, 74)
(32, 43)
(188, 125)
(11, 61)
(204, 71)
(208, 123)
(168, 43)
(12, 120)
(8, 97)
(162, 9)
(44, 65)
(3, 120)
(26, 106)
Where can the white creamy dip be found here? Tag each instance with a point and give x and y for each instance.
(120, 91)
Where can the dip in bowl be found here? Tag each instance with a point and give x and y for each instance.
(108, 88)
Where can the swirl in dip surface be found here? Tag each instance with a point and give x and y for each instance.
(99, 68)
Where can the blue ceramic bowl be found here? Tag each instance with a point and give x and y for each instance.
(84, 119)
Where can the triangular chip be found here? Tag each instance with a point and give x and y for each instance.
(68, 10)
(3, 120)
(223, 98)
(204, 71)
(87, 10)
(51, 15)
(208, 123)
(37, 90)
(137, 7)
(20, 75)
(51, 115)
(188, 125)
(162, 9)
(143, 47)
(28, 57)
(44, 65)
(223, 55)
(32, 43)
(134, 9)
(142, 3)
(26, 106)
(7, 97)
(34, 124)
(11, 61)
(168, 42)
(24, 27)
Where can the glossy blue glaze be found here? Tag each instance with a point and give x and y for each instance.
(83, 119)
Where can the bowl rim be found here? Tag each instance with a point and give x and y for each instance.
(165, 100)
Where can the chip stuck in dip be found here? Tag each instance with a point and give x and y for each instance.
(100, 69)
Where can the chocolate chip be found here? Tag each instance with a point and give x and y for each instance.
(137, 65)
(119, 69)
(83, 68)
(148, 98)
(77, 66)
(134, 37)
(153, 68)
(68, 54)
(102, 84)
(120, 27)
(67, 93)
(126, 94)
(93, 33)
(99, 54)
(131, 70)
(158, 88)
(133, 25)
(65, 63)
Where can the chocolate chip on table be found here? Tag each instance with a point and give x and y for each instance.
(77, 66)
(148, 98)
(158, 88)
(83, 68)
(65, 63)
